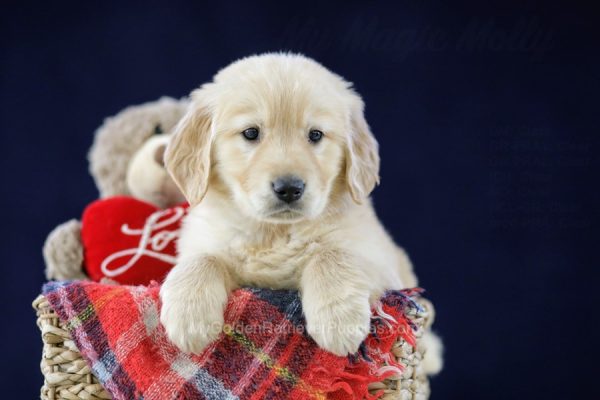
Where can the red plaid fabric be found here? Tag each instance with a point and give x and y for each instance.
(263, 352)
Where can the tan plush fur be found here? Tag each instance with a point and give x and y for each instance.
(123, 162)
(121, 138)
(147, 178)
(329, 245)
(63, 252)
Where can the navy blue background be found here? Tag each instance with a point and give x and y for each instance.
(487, 119)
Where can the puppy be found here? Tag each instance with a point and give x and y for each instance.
(277, 162)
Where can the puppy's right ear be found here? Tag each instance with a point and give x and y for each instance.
(187, 157)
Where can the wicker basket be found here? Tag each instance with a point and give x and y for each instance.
(67, 376)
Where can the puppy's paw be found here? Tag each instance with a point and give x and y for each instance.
(339, 328)
(191, 321)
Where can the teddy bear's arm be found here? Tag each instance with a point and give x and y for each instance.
(63, 252)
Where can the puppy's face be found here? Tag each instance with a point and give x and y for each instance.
(279, 147)
(277, 133)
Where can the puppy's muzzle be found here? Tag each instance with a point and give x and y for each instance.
(288, 188)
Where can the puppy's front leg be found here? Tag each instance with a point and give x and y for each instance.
(194, 296)
(335, 300)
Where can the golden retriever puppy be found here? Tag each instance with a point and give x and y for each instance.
(277, 162)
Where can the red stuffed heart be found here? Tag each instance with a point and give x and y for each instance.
(129, 241)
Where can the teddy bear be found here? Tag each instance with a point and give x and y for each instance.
(126, 159)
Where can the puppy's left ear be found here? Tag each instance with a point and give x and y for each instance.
(187, 157)
(362, 154)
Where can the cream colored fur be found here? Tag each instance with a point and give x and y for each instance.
(331, 246)
(147, 177)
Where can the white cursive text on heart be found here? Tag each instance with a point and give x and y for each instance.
(151, 244)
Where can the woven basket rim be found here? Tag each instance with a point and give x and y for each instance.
(67, 376)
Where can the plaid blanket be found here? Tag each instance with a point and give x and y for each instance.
(263, 352)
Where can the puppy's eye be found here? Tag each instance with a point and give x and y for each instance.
(250, 133)
(315, 135)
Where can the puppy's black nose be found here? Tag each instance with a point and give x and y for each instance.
(288, 188)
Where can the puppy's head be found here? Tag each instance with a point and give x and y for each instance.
(278, 134)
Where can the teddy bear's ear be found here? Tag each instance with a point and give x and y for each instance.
(187, 157)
